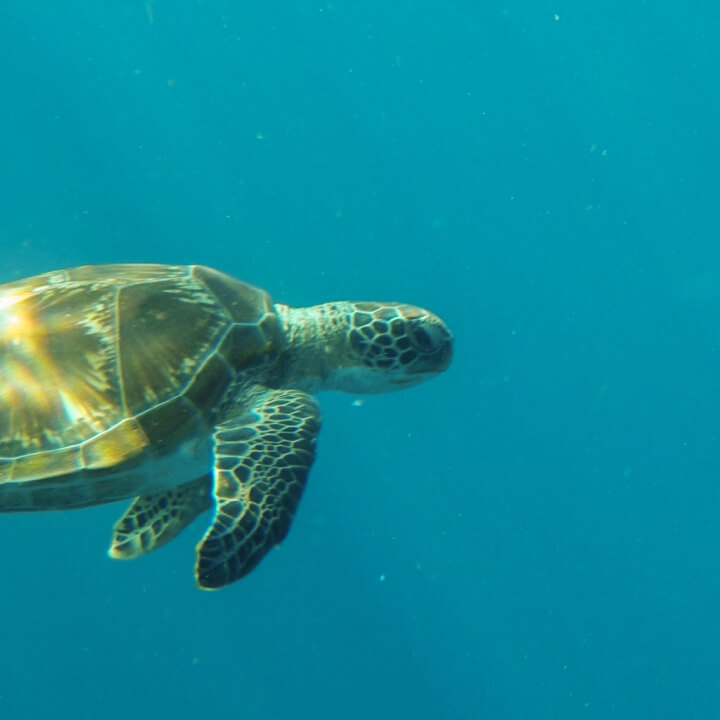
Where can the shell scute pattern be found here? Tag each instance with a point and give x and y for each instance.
(255, 334)
(158, 354)
(99, 363)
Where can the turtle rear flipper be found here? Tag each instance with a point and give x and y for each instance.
(153, 520)
(262, 459)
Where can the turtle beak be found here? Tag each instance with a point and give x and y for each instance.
(445, 352)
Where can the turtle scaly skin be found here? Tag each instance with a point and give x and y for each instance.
(184, 388)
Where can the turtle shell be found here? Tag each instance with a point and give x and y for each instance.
(101, 363)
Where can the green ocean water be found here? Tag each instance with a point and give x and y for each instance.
(536, 533)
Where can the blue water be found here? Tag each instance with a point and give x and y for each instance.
(535, 534)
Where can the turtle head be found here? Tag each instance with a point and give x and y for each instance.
(361, 347)
(390, 346)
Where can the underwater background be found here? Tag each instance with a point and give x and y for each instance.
(534, 534)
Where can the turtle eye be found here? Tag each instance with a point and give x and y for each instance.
(427, 338)
(422, 338)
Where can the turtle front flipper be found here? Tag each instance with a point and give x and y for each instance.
(262, 459)
(153, 520)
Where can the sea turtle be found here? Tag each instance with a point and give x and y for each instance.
(184, 388)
